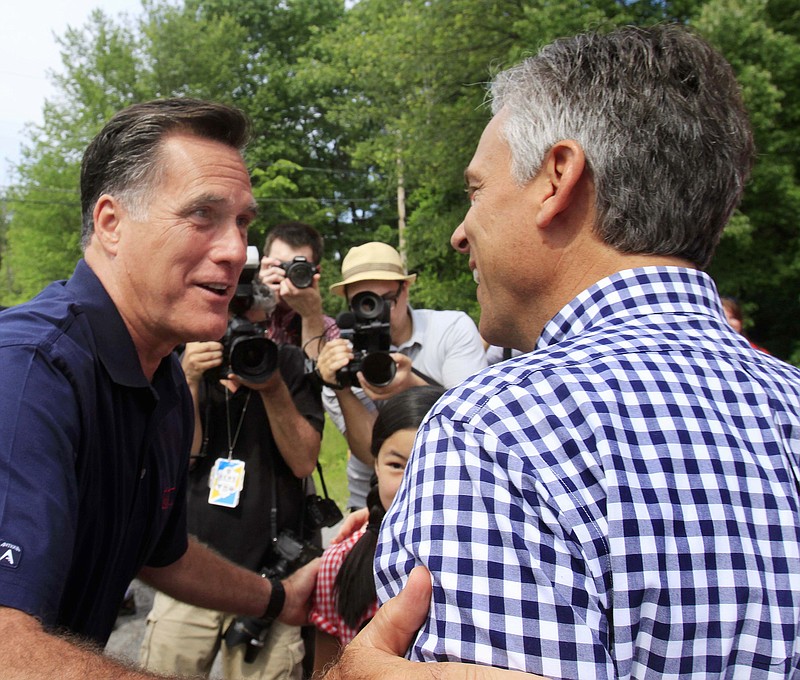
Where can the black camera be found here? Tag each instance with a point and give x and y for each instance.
(300, 271)
(321, 512)
(288, 555)
(245, 350)
(367, 326)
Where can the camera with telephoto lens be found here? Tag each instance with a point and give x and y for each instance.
(246, 351)
(300, 271)
(366, 325)
(289, 553)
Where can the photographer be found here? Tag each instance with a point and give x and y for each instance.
(264, 424)
(427, 347)
(291, 268)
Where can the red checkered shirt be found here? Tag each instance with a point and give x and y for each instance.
(324, 614)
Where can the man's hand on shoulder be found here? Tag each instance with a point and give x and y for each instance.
(377, 651)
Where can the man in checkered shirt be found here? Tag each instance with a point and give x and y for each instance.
(622, 500)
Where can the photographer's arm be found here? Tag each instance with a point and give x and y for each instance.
(296, 438)
(358, 420)
(205, 579)
(197, 358)
(307, 302)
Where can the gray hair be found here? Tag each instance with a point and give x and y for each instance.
(660, 118)
(123, 159)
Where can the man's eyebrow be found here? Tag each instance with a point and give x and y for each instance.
(215, 199)
(469, 175)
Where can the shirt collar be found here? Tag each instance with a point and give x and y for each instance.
(647, 290)
(115, 346)
(419, 324)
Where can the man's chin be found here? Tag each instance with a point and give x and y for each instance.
(214, 329)
(494, 332)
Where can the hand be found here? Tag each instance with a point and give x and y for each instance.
(376, 652)
(267, 385)
(352, 523)
(307, 302)
(404, 378)
(334, 355)
(299, 589)
(198, 357)
(272, 274)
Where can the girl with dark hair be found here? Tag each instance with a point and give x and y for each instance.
(345, 598)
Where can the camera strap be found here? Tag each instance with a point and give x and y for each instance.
(322, 479)
(232, 442)
(426, 378)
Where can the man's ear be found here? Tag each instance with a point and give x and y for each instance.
(561, 174)
(107, 215)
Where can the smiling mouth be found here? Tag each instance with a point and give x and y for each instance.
(476, 277)
(219, 289)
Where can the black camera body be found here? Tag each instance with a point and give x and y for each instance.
(300, 271)
(367, 326)
(321, 512)
(247, 352)
(245, 349)
(288, 555)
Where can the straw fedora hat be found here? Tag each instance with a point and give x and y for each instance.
(374, 261)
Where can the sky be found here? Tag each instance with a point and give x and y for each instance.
(28, 52)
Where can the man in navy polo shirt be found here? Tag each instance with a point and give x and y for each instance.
(95, 417)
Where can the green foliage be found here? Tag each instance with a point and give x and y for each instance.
(758, 260)
(333, 459)
(349, 103)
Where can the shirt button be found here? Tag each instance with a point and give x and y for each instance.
(144, 472)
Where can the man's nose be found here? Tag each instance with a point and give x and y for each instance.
(232, 245)
(459, 240)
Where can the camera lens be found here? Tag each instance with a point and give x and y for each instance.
(301, 274)
(367, 306)
(254, 358)
(378, 368)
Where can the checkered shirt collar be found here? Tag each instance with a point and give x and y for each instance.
(647, 290)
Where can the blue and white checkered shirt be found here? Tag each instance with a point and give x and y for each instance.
(621, 502)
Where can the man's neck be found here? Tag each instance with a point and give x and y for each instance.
(404, 332)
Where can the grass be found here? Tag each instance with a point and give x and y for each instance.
(333, 458)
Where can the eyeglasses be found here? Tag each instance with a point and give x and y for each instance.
(388, 298)
(391, 298)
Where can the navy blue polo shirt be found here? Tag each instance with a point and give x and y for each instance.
(93, 458)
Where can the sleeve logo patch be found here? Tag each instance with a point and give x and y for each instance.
(10, 555)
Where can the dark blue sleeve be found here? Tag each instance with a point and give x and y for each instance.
(39, 420)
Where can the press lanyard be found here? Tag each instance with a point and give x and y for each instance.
(232, 442)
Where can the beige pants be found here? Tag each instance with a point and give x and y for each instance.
(183, 639)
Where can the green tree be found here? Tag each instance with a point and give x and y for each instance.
(108, 64)
(758, 259)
